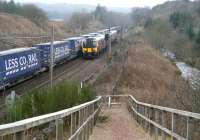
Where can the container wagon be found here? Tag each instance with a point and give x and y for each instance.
(61, 51)
(113, 35)
(75, 46)
(18, 64)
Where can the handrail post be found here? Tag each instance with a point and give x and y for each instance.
(173, 127)
(147, 116)
(151, 118)
(109, 101)
(137, 118)
(59, 129)
(79, 123)
(156, 120)
(188, 129)
(20, 136)
(163, 121)
(72, 124)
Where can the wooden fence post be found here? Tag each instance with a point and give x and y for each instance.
(59, 129)
(163, 121)
(173, 123)
(109, 101)
(188, 129)
(151, 117)
(72, 124)
(20, 136)
(156, 120)
(147, 116)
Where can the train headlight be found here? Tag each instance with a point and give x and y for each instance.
(84, 49)
(95, 49)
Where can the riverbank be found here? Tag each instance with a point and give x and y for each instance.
(188, 73)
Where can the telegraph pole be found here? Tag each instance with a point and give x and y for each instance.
(110, 45)
(51, 56)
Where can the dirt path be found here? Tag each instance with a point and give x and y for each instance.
(118, 125)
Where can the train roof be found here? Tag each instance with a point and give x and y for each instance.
(114, 27)
(97, 37)
(49, 43)
(94, 34)
(86, 35)
(113, 31)
(17, 50)
(103, 30)
(74, 38)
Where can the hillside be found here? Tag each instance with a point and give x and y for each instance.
(142, 71)
(12, 26)
(61, 11)
(174, 26)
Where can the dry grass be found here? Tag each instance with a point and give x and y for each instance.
(14, 25)
(147, 75)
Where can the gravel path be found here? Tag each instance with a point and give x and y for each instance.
(118, 125)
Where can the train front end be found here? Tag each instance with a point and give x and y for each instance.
(91, 48)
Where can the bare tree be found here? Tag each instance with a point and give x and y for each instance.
(79, 21)
(34, 14)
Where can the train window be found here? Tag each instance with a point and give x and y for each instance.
(94, 43)
(89, 43)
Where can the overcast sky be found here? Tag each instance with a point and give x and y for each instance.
(110, 3)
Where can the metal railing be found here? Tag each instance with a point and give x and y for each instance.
(161, 122)
(78, 120)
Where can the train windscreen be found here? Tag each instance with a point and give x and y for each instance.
(90, 43)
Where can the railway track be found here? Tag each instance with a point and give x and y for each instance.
(70, 70)
(42, 80)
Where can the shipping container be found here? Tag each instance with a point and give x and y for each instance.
(75, 45)
(17, 64)
(61, 51)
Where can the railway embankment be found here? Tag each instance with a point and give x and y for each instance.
(143, 72)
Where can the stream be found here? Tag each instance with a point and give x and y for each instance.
(190, 74)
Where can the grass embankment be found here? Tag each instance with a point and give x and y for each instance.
(47, 100)
(147, 75)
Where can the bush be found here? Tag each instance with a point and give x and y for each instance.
(47, 100)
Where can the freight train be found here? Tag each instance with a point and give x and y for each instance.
(16, 65)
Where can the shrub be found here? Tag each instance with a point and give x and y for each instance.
(47, 100)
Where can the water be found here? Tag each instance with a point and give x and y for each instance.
(192, 75)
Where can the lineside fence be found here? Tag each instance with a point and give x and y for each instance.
(161, 122)
(72, 124)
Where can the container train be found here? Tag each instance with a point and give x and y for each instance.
(16, 65)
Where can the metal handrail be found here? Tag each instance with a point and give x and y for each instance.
(26, 124)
